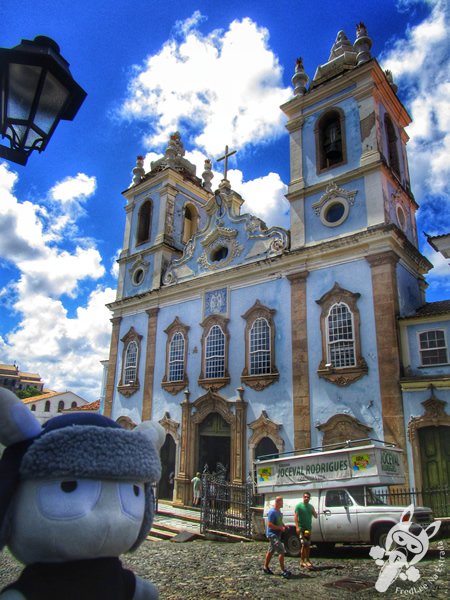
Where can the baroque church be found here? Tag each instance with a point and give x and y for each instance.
(244, 340)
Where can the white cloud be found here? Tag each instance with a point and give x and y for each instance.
(263, 196)
(224, 85)
(420, 64)
(72, 189)
(64, 349)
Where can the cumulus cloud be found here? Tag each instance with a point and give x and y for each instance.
(263, 196)
(224, 85)
(420, 63)
(64, 349)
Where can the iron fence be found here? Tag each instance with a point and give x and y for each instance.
(438, 499)
(226, 507)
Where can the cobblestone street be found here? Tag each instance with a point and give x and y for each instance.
(213, 570)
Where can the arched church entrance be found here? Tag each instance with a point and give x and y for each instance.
(214, 444)
(165, 490)
(266, 448)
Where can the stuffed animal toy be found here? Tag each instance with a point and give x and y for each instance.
(74, 495)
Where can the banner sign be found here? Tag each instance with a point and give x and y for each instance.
(349, 464)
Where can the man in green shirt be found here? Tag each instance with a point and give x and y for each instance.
(304, 512)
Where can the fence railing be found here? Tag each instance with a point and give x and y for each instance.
(226, 507)
(437, 499)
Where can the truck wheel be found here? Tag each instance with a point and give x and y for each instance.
(292, 543)
(380, 535)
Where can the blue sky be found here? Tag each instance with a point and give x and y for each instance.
(218, 73)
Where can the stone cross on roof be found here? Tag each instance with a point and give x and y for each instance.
(225, 158)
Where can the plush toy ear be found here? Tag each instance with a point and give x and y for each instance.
(153, 432)
(17, 422)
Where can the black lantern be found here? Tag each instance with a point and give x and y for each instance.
(37, 91)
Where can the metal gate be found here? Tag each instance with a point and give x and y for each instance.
(226, 507)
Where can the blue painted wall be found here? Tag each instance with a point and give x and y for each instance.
(409, 295)
(353, 143)
(362, 398)
(315, 230)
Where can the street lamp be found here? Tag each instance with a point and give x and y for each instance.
(37, 91)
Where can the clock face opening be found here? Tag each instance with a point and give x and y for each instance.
(218, 254)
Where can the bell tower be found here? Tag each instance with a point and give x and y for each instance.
(349, 169)
(164, 210)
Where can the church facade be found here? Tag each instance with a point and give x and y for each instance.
(244, 340)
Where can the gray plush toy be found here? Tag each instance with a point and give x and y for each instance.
(74, 495)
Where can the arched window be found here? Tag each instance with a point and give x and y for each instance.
(342, 362)
(130, 369)
(73, 405)
(129, 382)
(266, 449)
(33, 407)
(144, 222)
(176, 358)
(259, 370)
(175, 378)
(214, 352)
(340, 338)
(260, 349)
(190, 223)
(60, 405)
(47, 406)
(391, 137)
(330, 140)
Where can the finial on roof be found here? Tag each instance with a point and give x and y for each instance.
(174, 148)
(362, 44)
(390, 79)
(138, 171)
(207, 175)
(341, 45)
(300, 78)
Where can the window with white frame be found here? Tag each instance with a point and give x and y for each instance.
(341, 343)
(260, 347)
(215, 353)
(175, 378)
(342, 360)
(176, 357)
(433, 347)
(259, 370)
(214, 342)
(129, 381)
(130, 363)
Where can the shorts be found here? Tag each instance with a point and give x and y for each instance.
(275, 544)
(305, 541)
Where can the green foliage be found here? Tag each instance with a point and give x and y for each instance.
(28, 392)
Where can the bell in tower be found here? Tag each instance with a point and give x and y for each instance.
(332, 142)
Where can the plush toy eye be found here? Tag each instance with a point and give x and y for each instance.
(68, 486)
(132, 499)
(68, 499)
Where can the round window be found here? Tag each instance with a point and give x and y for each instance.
(218, 254)
(334, 212)
(138, 276)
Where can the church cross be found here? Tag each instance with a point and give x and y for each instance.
(225, 158)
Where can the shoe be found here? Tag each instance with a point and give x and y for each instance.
(268, 571)
(286, 574)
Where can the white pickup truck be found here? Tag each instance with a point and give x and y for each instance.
(343, 485)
